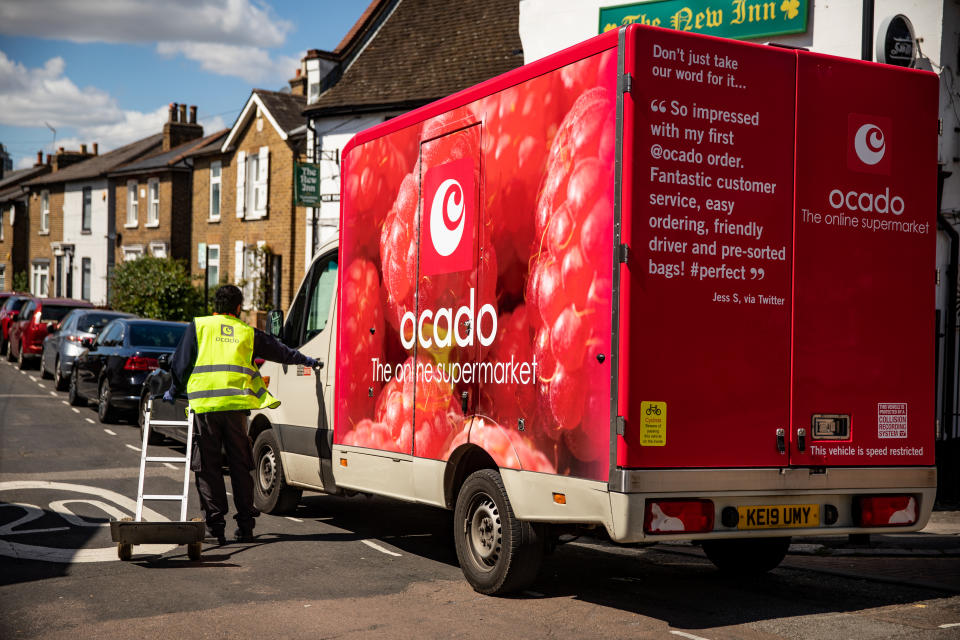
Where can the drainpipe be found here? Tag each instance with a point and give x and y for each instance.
(866, 40)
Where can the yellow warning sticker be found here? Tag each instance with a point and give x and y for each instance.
(653, 424)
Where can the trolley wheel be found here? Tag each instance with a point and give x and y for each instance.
(193, 551)
(124, 551)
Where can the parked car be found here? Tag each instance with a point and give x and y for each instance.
(9, 313)
(67, 341)
(112, 369)
(33, 325)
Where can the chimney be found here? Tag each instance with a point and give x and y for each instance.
(63, 159)
(48, 159)
(39, 159)
(83, 149)
(96, 148)
(177, 130)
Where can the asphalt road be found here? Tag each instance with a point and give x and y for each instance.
(372, 568)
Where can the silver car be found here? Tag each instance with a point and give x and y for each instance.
(72, 336)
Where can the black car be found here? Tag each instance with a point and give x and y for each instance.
(113, 368)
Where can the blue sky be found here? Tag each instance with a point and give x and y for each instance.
(105, 70)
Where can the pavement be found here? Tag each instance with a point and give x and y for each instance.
(929, 558)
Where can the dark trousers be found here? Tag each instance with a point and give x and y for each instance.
(227, 431)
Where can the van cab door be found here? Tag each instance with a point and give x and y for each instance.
(305, 417)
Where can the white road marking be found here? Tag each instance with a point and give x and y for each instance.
(167, 464)
(108, 432)
(89, 420)
(74, 409)
(130, 446)
(66, 555)
(375, 546)
(294, 519)
(41, 385)
(65, 402)
(53, 393)
(22, 395)
(687, 635)
(950, 625)
(32, 379)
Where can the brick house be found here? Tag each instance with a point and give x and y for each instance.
(243, 202)
(152, 215)
(69, 213)
(398, 56)
(14, 221)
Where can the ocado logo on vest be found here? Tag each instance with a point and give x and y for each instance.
(226, 334)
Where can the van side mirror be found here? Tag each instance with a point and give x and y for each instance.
(275, 323)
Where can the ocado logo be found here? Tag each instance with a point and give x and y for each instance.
(869, 144)
(446, 217)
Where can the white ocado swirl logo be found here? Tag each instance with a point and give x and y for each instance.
(869, 144)
(444, 212)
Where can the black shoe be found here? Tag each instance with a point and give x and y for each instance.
(243, 535)
(219, 535)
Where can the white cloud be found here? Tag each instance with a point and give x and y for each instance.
(253, 64)
(238, 22)
(30, 97)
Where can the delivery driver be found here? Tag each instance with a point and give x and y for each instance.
(214, 361)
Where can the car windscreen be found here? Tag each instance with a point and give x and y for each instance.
(54, 312)
(94, 322)
(156, 335)
(14, 303)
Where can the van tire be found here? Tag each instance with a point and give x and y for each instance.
(270, 491)
(746, 556)
(497, 552)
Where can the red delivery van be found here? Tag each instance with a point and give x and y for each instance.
(673, 286)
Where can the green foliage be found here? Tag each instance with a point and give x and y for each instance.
(157, 288)
(21, 281)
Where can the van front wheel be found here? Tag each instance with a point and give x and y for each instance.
(270, 491)
(497, 552)
(746, 556)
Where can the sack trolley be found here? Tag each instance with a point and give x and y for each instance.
(127, 533)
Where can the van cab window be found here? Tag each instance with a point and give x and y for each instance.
(321, 298)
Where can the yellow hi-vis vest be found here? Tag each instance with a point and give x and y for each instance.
(224, 377)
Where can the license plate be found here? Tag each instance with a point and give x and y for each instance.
(779, 516)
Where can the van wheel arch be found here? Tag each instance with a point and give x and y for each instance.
(464, 461)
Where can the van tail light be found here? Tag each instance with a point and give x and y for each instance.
(885, 511)
(139, 363)
(672, 516)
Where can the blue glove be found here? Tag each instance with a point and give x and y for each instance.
(313, 364)
(168, 397)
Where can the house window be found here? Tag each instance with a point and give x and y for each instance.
(132, 252)
(213, 265)
(253, 170)
(1, 228)
(87, 214)
(85, 279)
(45, 212)
(158, 249)
(153, 210)
(132, 203)
(3, 277)
(215, 171)
(40, 279)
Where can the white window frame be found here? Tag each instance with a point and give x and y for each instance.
(86, 277)
(3, 277)
(133, 204)
(218, 181)
(213, 265)
(84, 193)
(153, 203)
(44, 212)
(1, 228)
(132, 252)
(159, 250)
(40, 279)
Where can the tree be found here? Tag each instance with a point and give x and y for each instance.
(155, 288)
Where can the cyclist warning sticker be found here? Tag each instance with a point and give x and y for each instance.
(892, 420)
(653, 424)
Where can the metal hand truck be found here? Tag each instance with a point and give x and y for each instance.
(127, 532)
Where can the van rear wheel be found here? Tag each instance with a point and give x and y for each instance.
(270, 491)
(746, 556)
(497, 552)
